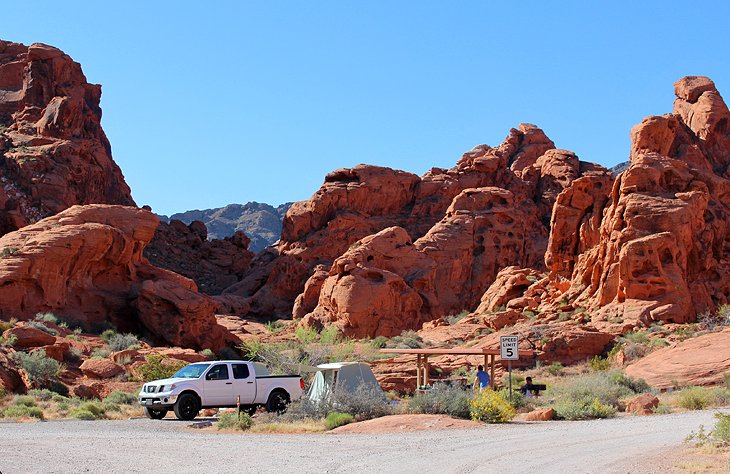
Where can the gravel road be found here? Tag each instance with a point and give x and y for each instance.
(617, 445)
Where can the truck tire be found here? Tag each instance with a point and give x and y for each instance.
(250, 409)
(153, 414)
(277, 402)
(187, 407)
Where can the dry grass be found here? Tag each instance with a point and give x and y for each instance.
(305, 426)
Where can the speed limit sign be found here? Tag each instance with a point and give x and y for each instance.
(508, 349)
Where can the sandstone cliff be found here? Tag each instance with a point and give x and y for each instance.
(53, 152)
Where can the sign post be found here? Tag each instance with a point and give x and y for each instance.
(509, 351)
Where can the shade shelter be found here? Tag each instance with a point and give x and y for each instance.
(423, 354)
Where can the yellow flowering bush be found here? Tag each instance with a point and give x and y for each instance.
(491, 407)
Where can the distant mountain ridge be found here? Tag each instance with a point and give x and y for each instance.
(260, 221)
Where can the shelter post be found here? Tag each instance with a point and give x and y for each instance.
(418, 371)
(425, 369)
(491, 369)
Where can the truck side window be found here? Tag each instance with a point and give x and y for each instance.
(218, 372)
(240, 371)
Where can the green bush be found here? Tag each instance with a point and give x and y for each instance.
(43, 395)
(599, 364)
(379, 342)
(721, 432)
(73, 355)
(107, 335)
(41, 369)
(588, 396)
(490, 407)
(695, 398)
(208, 354)
(455, 318)
(25, 400)
(23, 411)
(336, 419)
(330, 335)
(158, 367)
(555, 369)
(583, 408)
(3, 393)
(234, 421)
(88, 411)
(306, 335)
(442, 399)
(118, 397)
(406, 340)
(46, 317)
(518, 399)
(121, 342)
(100, 353)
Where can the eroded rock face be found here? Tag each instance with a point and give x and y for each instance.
(86, 263)
(500, 202)
(53, 151)
(214, 265)
(661, 253)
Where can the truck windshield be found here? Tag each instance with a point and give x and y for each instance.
(192, 371)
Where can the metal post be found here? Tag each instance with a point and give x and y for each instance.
(509, 369)
(425, 370)
(418, 371)
(491, 371)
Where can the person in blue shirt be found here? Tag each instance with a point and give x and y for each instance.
(481, 381)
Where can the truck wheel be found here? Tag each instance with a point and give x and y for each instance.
(250, 409)
(187, 407)
(153, 414)
(277, 402)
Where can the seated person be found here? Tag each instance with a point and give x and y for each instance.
(529, 389)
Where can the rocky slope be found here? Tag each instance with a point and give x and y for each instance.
(259, 221)
(53, 152)
(86, 264)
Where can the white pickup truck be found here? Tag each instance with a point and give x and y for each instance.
(219, 384)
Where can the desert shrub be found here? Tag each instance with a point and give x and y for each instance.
(379, 342)
(363, 403)
(158, 367)
(583, 408)
(23, 411)
(306, 335)
(120, 342)
(721, 396)
(455, 318)
(343, 351)
(490, 407)
(635, 337)
(635, 385)
(3, 393)
(599, 364)
(5, 325)
(41, 369)
(576, 398)
(234, 421)
(8, 341)
(406, 340)
(442, 399)
(43, 394)
(100, 327)
(46, 317)
(518, 399)
(107, 335)
(24, 400)
(721, 432)
(59, 388)
(40, 326)
(336, 419)
(73, 355)
(208, 354)
(100, 353)
(275, 327)
(330, 335)
(710, 321)
(88, 411)
(8, 251)
(695, 398)
(555, 369)
(118, 397)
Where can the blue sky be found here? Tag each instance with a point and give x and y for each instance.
(257, 101)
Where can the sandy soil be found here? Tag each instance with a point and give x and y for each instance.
(406, 424)
(620, 445)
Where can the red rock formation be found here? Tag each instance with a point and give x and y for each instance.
(643, 404)
(662, 252)
(53, 151)
(501, 200)
(214, 265)
(86, 263)
(701, 360)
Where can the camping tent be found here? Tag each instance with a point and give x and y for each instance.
(343, 376)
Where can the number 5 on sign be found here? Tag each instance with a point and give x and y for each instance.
(508, 349)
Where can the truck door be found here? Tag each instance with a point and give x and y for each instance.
(244, 383)
(218, 387)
